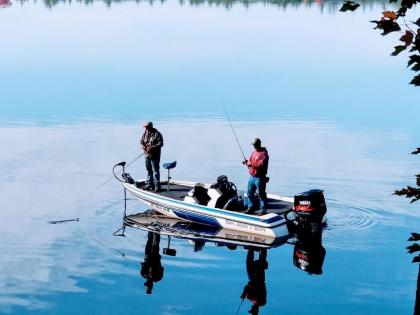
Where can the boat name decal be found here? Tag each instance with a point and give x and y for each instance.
(244, 225)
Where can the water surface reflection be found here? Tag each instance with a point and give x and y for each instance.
(308, 253)
(48, 267)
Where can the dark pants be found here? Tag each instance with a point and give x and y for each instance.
(153, 174)
(255, 183)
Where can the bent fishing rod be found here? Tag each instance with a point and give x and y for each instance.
(233, 130)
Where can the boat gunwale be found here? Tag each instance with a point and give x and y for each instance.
(213, 212)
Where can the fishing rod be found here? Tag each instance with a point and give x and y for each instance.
(239, 307)
(109, 179)
(233, 130)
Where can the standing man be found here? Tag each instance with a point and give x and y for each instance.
(152, 142)
(257, 166)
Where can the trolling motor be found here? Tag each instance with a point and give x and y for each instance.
(126, 178)
(309, 209)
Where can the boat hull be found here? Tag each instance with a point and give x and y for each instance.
(271, 225)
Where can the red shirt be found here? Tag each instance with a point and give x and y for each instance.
(258, 163)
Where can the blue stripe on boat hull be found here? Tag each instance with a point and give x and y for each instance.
(196, 218)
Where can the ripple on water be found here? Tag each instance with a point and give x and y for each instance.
(352, 217)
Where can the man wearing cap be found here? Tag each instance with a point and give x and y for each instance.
(257, 166)
(152, 142)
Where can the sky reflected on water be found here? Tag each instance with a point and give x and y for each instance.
(49, 173)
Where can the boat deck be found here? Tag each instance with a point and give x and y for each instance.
(178, 192)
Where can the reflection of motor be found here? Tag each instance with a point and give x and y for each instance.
(309, 255)
(310, 209)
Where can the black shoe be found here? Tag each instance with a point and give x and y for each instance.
(263, 212)
(249, 211)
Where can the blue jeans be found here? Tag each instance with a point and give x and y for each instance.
(153, 174)
(255, 183)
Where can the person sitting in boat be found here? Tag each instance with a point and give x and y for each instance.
(257, 166)
(152, 143)
(151, 268)
(255, 290)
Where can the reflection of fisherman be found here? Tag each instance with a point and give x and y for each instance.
(151, 269)
(255, 289)
(152, 142)
(258, 166)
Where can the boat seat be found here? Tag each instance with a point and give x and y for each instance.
(218, 199)
(169, 165)
(198, 195)
(221, 192)
(200, 192)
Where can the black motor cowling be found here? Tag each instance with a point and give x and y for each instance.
(310, 209)
(311, 205)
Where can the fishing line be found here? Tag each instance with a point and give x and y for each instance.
(233, 129)
(108, 247)
(109, 179)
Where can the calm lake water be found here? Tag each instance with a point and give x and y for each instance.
(317, 86)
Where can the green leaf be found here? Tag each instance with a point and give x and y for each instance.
(413, 248)
(397, 50)
(402, 11)
(387, 26)
(416, 67)
(408, 3)
(349, 6)
(416, 80)
(413, 59)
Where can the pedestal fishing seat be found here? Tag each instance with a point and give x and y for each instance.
(168, 166)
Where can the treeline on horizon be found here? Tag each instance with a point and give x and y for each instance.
(333, 4)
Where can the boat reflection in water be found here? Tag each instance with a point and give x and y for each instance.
(308, 253)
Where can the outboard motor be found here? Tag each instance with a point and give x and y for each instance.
(310, 209)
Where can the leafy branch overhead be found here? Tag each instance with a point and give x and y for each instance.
(414, 247)
(390, 22)
(411, 192)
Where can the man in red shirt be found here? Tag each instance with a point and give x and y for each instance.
(257, 166)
